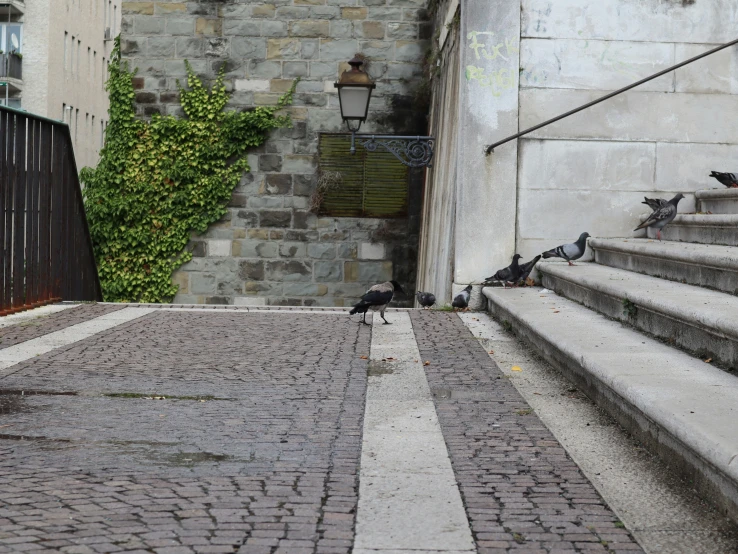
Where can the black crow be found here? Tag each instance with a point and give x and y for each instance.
(376, 299)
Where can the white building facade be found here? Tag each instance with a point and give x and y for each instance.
(64, 48)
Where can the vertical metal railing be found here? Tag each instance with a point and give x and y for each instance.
(45, 247)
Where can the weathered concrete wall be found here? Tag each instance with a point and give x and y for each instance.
(269, 248)
(590, 172)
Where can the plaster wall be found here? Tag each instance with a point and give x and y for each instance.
(56, 74)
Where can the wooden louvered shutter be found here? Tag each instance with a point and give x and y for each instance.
(372, 184)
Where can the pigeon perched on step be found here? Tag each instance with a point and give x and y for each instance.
(461, 300)
(569, 252)
(376, 299)
(426, 299)
(526, 268)
(728, 179)
(509, 274)
(654, 203)
(662, 216)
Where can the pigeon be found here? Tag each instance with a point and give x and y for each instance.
(662, 216)
(376, 299)
(728, 179)
(654, 203)
(569, 252)
(426, 299)
(461, 300)
(526, 268)
(509, 274)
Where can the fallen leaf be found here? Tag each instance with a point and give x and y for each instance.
(708, 360)
(529, 282)
(491, 351)
(202, 401)
(390, 358)
(364, 357)
(556, 311)
(538, 393)
(8, 425)
(516, 368)
(426, 363)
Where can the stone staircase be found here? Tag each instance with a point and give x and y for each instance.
(649, 330)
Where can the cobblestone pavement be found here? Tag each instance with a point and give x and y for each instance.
(520, 489)
(230, 431)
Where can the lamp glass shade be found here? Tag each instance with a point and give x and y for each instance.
(354, 101)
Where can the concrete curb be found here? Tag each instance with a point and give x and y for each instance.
(678, 406)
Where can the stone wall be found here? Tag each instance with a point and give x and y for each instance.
(269, 248)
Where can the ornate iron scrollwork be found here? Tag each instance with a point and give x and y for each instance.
(411, 151)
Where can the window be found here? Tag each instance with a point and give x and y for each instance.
(115, 19)
(102, 134)
(76, 124)
(11, 37)
(94, 65)
(79, 47)
(89, 63)
(365, 184)
(104, 71)
(66, 51)
(71, 56)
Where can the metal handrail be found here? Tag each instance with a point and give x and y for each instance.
(489, 149)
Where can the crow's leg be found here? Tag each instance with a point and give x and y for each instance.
(382, 316)
(364, 320)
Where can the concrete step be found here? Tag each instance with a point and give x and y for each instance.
(698, 320)
(702, 228)
(678, 406)
(705, 265)
(717, 201)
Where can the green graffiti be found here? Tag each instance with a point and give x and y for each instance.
(491, 51)
(497, 81)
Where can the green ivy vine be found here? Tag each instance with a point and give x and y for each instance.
(159, 181)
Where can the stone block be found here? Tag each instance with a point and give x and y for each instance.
(146, 25)
(145, 98)
(331, 49)
(406, 31)
(167, 8)
(228, 285)
(368, 272)
(348, 250)
(241, 27)
(266, 202)
(717, 73)
(384, 14)
(291, 270)
(270, 162)
(322, 251)
(250, 270)
(303, 184)
(378, 49)
(681, 167)
(183, 26)
(182, 280)
(588, 64)
(189, 47)
(198, 248)
(309, 49)
(249, 301)
(274, 29)
(298, 202)
(372, 29)
(283, 48)
(325, 12)
(245, 218)
(410, 50)
(304, 289)
(262, 288)
(296, 163)
(304, 220)
(317, 28)
(404, 70)
(586, 165)
(342, 28)
(143, 8)
(208, 27)
(279, 183)
(328, 271)
(292, 250)
(280, 85)
(258, 249)
(161, 47)
(354, 13)
(219, 247)
(248, 47)
(310, 2)
(252, 84)
(275, 218)
(268, 70)
(263, 10)
(371, 251)
(202, 283)
(304, 236)
(293, 12)
(290, 70)
(260, 234)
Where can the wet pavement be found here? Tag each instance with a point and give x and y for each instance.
(241, 431)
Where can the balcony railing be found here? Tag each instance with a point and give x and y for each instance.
(11, 66)
(45, 247)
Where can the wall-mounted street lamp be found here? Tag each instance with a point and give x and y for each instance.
(354, 92)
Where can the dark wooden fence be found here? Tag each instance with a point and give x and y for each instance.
(45, 248)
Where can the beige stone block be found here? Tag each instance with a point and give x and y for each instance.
(318, 28)
(283, 48)
(263, 10)
(239, 233)
(372, 29)
(309, 2)
(280, 85)
(209, 27)
(143, 8)
(182, 279)
(262, 234)
(354, 13)
(165, 8)
(236, 248)
(266, 98)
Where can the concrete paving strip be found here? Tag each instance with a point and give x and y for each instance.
(14, 319)
(408, 497)
(662, 512)
(35, 347)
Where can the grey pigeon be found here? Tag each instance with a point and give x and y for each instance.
(569, 252)
(661, 217)
(654, 203)
(426, 299)
(509, 274)
(526, 268)
(727, 179)
(376, 299)
(461, 300)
